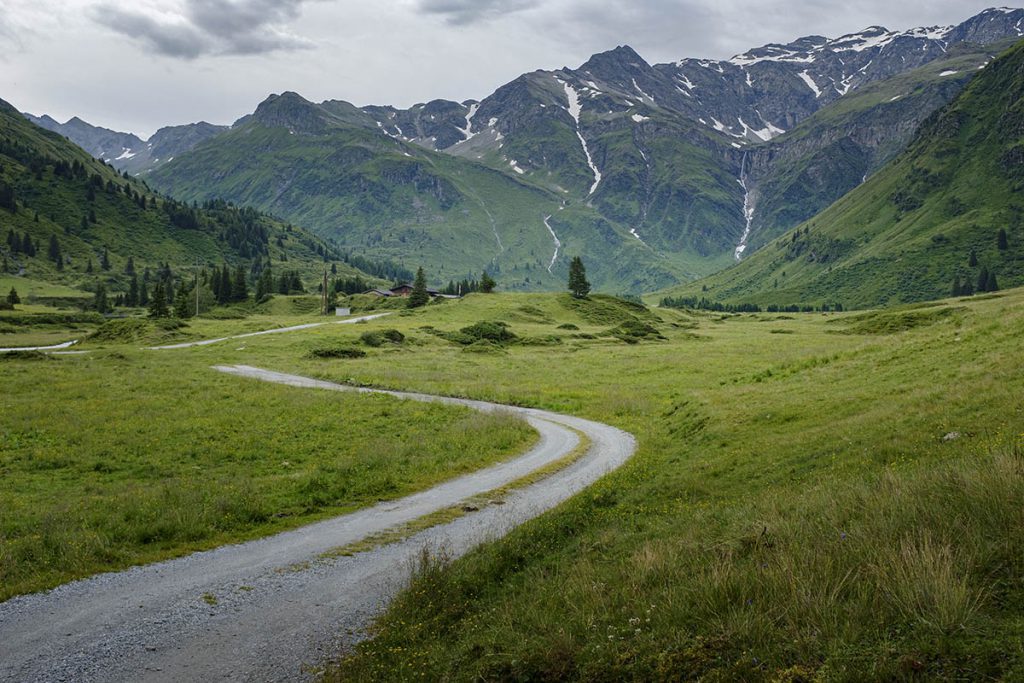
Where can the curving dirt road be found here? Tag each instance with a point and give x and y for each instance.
(266, 610)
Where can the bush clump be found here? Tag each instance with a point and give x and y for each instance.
(337, 352)
(496, 332)
(381, 337)
(635, 331)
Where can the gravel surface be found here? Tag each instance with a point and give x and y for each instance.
(40, 348)
(276, 330)
(273, 609)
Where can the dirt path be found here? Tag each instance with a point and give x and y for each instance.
(52, 347)
(273, 606)
(276, 330)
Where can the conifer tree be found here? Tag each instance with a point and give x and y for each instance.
(982, 280)
(54, 249)
(239, 287)
(129, 268)
(487, 283)
(992, 285)
(143, 294)
(132, 299)
(1001, 240)
(105, 259)
(158, 306)
(12, 297)
(578, 284)
(972, 260)
(419, 296)
(955, 291)
(99, 301)
(88, 267)
(183, 303)
(224, 295)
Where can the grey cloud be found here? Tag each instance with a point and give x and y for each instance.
(210, 27)
(460, 12)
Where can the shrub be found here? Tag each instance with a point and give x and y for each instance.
(337, 352)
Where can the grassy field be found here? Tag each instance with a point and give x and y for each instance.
(815, 495)
(833, 495)
(126, 455)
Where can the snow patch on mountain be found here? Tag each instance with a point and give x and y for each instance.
(642, 93)
(467, 132)
(806, 78)
(574, 108)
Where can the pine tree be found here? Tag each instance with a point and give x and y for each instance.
(487, 283)
(1002, 241)
(158, 306)
(957, 286)
(239, 287)
(419, 296)
(972, 260)
(54, 249)
(143, 294)
(133, 292)
(99, 301)
(129, 268)
(982, 280)
(992, 285)
(578, 284)
(105, 259)
(183, 303)
(12, 297)
(88, 267)
(224, 295)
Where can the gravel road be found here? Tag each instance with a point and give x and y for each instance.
(276, 330)
(270, 609)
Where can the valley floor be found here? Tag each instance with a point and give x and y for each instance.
(814, 495)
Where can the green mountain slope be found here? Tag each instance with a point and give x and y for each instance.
(332, 168)
(52, 190)
(927, 220)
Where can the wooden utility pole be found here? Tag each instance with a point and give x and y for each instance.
(197, 287)
(324, 299)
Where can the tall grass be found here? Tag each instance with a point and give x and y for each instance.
(878, 580)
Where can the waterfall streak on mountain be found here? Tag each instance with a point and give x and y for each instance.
(558, 243)
(748, 210)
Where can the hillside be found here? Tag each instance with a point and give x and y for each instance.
(945, 210)
(53, 193)
(327, 166)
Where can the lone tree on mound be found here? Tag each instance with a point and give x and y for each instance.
(419, 296)
(487, 283)
(578, 284)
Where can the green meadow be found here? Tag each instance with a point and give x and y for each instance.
(831, 496)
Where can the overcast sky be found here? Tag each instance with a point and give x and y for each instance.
(137, 66)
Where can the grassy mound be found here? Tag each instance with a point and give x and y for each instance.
(137, 330)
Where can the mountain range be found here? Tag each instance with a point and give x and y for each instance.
(945, 218)
(655, 174)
